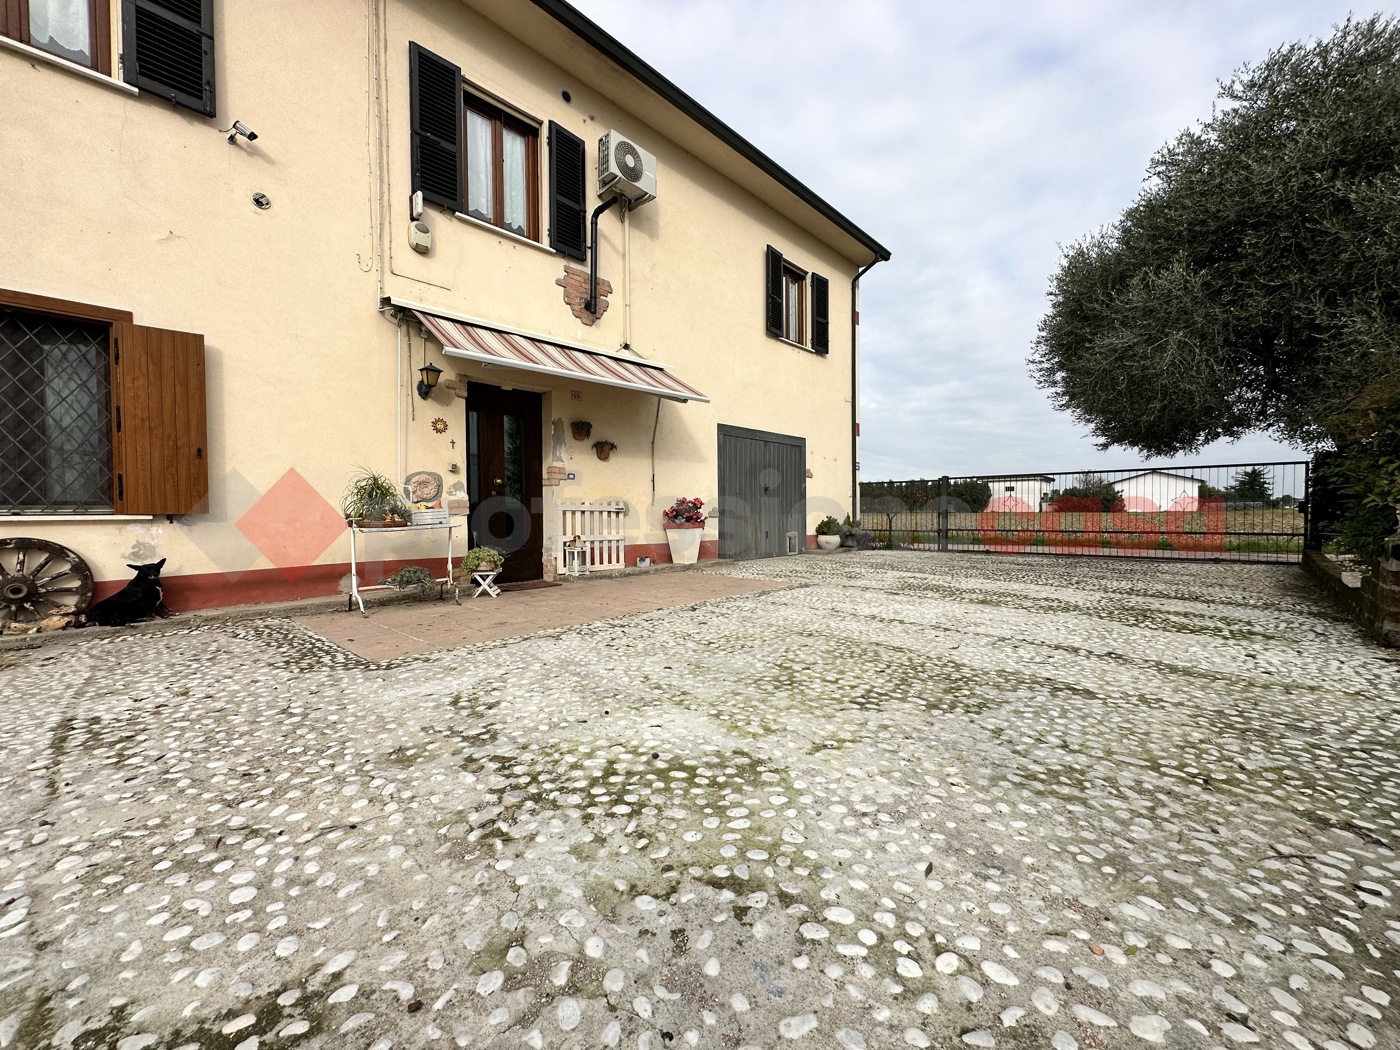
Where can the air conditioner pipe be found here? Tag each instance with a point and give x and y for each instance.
(591, 303)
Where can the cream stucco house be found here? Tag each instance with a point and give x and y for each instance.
(235, 239)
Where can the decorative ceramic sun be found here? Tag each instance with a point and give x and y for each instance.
(439, 425)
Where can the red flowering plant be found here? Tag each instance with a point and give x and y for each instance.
(685, 512)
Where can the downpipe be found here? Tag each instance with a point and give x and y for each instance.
(590, 304)
(855, 377)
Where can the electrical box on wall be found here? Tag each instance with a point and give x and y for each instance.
(420, 237)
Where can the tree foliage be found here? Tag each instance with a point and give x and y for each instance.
(1252, 485)
(1091, 493)
(1252, 286)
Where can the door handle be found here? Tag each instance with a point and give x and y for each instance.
(498, 481)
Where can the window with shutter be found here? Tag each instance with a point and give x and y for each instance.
(821, 321)
(158, 411)
(98, 414)
(168, 50)
(775, 312)
(435, 123)
(568, 210)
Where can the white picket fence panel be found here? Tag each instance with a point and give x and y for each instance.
(599, 527)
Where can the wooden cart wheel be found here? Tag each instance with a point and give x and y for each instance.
(39, 579)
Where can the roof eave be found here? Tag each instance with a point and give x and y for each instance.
(615, 51)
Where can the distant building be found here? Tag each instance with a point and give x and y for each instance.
(1156, 490)
(1011, 490)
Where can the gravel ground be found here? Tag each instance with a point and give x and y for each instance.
(916, 800)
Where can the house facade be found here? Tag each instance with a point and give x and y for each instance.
(229, 275)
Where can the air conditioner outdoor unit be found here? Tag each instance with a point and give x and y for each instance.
(625, 169)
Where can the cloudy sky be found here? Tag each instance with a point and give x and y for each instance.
(972, 139)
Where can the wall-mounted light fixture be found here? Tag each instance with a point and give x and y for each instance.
(427, 379)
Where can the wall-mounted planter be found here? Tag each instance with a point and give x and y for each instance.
(582, 429)
(604, 449)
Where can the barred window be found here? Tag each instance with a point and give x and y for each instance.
(55, 427)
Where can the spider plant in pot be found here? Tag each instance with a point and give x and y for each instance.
(373, 501)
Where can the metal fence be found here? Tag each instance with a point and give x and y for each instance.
(1234, 511)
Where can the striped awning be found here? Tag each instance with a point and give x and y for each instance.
(508, 350)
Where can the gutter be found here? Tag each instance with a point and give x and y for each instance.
(612, 49)
(855, 376)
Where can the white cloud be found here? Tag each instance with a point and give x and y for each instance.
(972, 140)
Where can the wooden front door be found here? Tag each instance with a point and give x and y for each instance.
(505, 477)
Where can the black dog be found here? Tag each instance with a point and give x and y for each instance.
(140, 599)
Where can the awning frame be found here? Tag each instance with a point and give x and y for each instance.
(508, 341)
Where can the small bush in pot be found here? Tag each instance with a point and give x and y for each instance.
(482, 559)
(828, 533)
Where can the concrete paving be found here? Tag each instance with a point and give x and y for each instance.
(415, 627)
(913, 800)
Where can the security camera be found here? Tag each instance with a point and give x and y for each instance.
(240, 128)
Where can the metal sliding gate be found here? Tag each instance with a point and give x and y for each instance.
(1236, 512)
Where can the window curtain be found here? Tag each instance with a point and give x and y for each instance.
(63, 27)
(514, 149)
(480, 161)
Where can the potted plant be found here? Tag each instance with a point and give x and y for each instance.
(480, 565)
(828, 533)
(849, 528)
(413, 577)
(481, 559)
(582, 429)
(684, 522)
(604, 448)
(373, 501)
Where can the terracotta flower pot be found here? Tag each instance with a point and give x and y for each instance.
(582, 429)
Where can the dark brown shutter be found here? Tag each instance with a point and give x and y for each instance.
(821, 314)
(775, 291)
(158, 424)
(435, 125)
(568, 204)
(168, 50)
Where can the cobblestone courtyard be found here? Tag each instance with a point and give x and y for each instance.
(913, 800)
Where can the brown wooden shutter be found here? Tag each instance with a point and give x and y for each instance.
(821, 314)
(168, 50)
(568, 204)
(773, 264)
(159, 455)
(435, 126)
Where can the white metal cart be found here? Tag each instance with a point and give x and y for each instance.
(356, 590)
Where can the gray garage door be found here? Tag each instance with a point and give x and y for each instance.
(762, 492)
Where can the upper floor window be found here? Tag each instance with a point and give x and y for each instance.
(798, 304)
(502, 168)
(75, 30)
(479, 159)
(167, 45)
